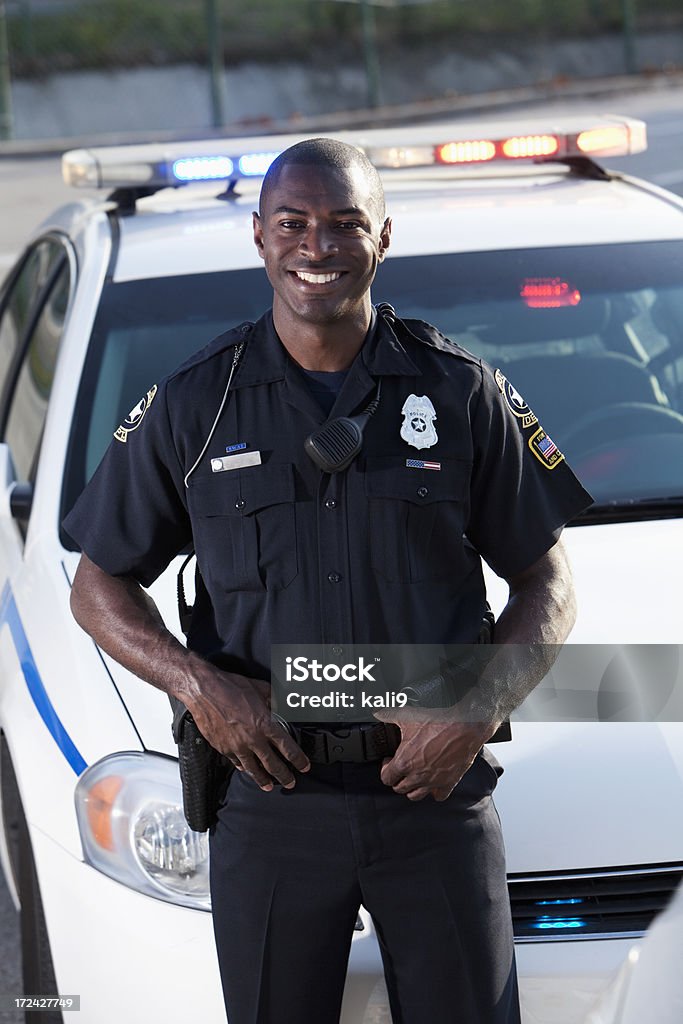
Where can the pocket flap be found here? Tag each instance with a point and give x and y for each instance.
(240, 492)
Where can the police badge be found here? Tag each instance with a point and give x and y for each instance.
(418, 422)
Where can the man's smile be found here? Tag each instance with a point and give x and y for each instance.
(311, 278)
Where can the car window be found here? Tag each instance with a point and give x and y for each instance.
(21, 300)
(590, 336)
(28, 405)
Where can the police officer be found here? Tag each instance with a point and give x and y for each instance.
(453, 467)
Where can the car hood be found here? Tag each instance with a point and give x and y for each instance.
(573, 794)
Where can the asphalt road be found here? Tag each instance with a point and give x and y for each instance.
(30, 188)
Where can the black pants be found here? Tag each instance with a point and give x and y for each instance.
(289, 870)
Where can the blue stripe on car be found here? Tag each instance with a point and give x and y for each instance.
(10, 615)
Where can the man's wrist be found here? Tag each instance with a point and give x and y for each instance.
(190, 678)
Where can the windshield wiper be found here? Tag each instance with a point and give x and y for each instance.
(624, 510)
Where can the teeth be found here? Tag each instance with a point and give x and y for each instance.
(317, 278)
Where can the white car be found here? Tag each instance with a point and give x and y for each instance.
(515, 242)
(649, 985)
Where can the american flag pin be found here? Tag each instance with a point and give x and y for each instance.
(421, 464)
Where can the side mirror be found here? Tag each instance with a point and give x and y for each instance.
(16, 498)
(20, 502)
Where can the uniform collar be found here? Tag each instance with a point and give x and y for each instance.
(265, 358)
(383, 354)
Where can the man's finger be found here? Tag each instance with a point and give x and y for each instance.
(278, 768)
(418, 794)
(289, 749)
(392, 773)
(255, 769)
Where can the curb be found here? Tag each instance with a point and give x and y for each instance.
(423, 110)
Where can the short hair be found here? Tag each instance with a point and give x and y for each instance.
(325, 153)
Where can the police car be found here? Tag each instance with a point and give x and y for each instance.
(516, 242)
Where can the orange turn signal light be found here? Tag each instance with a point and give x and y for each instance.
(100, 803)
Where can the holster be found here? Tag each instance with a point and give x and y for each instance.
(204, 772)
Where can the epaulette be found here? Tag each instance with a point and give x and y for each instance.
(427, 334)
(219, 344)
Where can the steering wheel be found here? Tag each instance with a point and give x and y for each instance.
(623, 419)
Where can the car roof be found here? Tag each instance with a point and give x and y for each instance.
(175, 234)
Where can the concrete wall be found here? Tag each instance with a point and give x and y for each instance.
(177, 98)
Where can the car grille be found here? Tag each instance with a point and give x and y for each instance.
(597, 903)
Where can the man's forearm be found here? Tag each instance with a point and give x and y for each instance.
(529, 635)
(124, 621)
(230, 710)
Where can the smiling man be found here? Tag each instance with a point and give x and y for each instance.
(394, 814)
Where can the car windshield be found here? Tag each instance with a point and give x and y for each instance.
(591, 336)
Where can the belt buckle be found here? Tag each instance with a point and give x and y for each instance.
(345, 745)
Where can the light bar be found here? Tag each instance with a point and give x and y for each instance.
(470, 151)
(255, 165)
(613, 140)
(435, 145)
(521, 146)
(203, 168)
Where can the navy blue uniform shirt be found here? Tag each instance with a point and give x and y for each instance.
(387, 551)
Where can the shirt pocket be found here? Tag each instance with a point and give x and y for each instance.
(416, 519)
(244, 524)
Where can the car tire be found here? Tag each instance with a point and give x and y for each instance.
(38, 976)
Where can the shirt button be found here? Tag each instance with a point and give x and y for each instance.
(240, 504)
(331, 503)
(422, 492)
(334, 577)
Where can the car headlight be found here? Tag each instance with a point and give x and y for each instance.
(130, 815)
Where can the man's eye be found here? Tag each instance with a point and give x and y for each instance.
(349, 225)
(289, 224)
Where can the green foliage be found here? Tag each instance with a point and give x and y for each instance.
(125, 33)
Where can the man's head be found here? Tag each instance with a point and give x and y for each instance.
(328, 153)
(322, 232)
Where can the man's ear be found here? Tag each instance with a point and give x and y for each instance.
(385, 238)
(258, 233)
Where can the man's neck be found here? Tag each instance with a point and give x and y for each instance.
(328, 346)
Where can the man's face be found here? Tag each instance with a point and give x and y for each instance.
(322, 239)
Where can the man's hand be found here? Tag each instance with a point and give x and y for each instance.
(233, 714)
(434, 753)
(231, 711)
(436, 749)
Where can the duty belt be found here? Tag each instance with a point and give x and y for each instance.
(356, 743)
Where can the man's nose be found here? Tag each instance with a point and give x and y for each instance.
(318, 242)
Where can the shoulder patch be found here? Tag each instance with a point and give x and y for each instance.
(514, 401)
(135, 416)
(545, 449)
